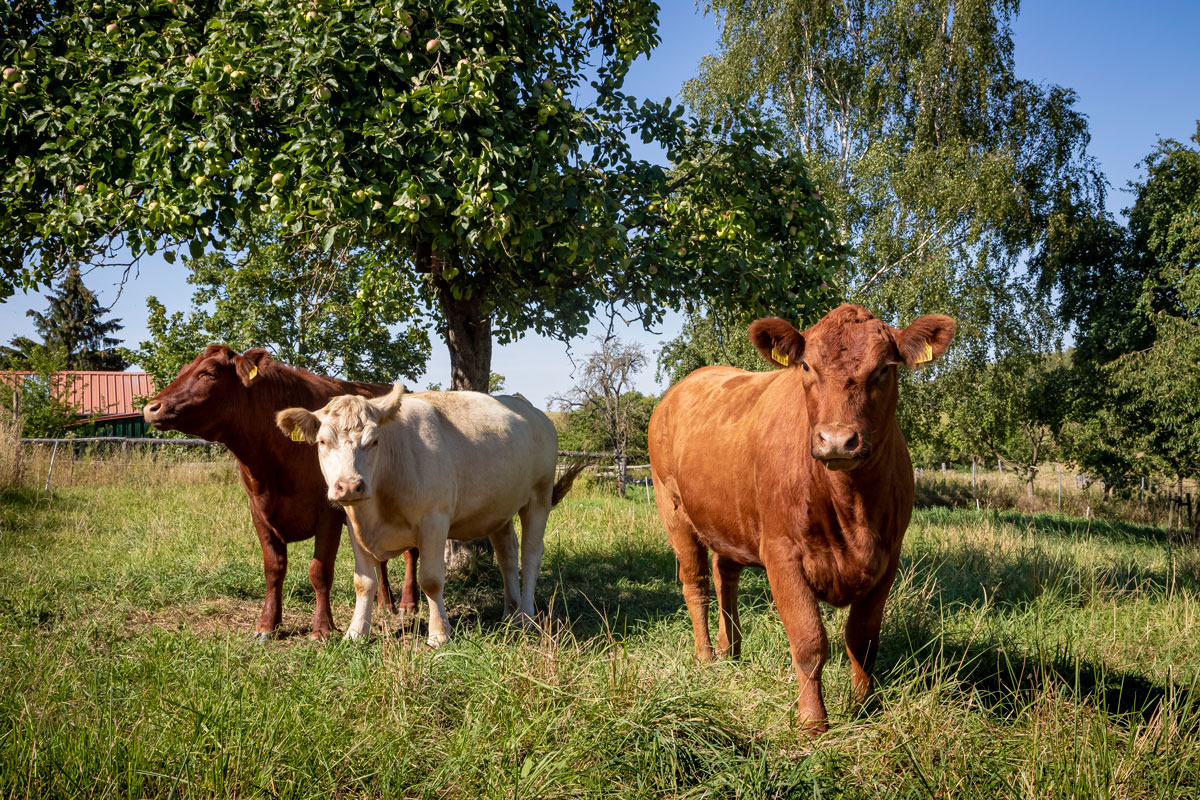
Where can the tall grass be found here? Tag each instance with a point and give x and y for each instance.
(1023, 656)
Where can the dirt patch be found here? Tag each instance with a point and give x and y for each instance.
(228, 616)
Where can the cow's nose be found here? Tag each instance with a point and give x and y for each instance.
(836, 442)
(348, 489)
(151, 409)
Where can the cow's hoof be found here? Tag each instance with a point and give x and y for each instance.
(355, 636)
(320, 636)
(261, 637)
(438, 640)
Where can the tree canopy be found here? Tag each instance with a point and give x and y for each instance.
(461, 136)
(294, 304)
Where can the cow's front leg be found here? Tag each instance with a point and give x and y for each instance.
(274, 551)
(365, 585)
(320, 575)
(431, 574)
(806, 637)
(504, 543)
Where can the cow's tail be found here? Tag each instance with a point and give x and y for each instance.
(567, 479)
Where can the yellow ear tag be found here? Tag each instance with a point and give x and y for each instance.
(780, 358)
(928, 356)
(297, 435)
(253, 373)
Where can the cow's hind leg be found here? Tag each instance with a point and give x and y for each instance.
(320, 575)
(408, 592)
(365, 585)
(726, 574)
(384, 593)
(504, 543)
(533, 546)
(693, 566)
(862, 634)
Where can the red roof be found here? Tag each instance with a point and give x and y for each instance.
(98, 394)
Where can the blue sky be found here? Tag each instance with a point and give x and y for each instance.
(1134, 66)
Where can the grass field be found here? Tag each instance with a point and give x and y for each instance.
(1023, 656)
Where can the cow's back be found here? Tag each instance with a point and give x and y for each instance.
(704, 455)
(481, 456)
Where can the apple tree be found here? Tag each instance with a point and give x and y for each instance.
(461, 138)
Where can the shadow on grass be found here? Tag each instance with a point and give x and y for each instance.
(592, 593)
(1009, 681)
(968, 573)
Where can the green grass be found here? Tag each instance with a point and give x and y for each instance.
(1023, 656)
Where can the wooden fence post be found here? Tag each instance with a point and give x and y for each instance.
(1058, 472)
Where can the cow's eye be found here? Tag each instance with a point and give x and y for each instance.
(882, 372)
(804, 366)
(322, 443)
(370, 444)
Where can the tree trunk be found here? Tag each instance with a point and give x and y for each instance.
(622, 461)
(469, 339)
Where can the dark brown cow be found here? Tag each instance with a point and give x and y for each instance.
(233, 399)
(803, 471)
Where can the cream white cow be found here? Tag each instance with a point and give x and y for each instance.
(412, 470)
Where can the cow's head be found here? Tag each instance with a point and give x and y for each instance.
(208, 393)
(346, 435)
(847, 363)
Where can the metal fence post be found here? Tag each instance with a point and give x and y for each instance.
(50, 471)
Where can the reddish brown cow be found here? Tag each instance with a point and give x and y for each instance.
(233, 399)
(803, 471)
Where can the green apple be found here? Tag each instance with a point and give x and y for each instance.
(278, 179)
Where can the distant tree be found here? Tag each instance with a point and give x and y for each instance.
(300, 306)
(709, 336)
(73, 328)
(1015, 412)
(40, 401)
(603, 394)
(1163, 379)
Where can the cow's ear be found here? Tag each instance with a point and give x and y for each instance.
(299, 423)
(389, 404)
(778, 342)
(250, 365)
(924, 341)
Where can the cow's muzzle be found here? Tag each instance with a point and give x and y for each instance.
(156, 413)
(838, 446)
(347, 491)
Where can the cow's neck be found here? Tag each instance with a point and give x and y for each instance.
(253, 437)
(862, 498)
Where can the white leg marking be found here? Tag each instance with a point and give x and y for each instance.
(431, 575)
(365, 585)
